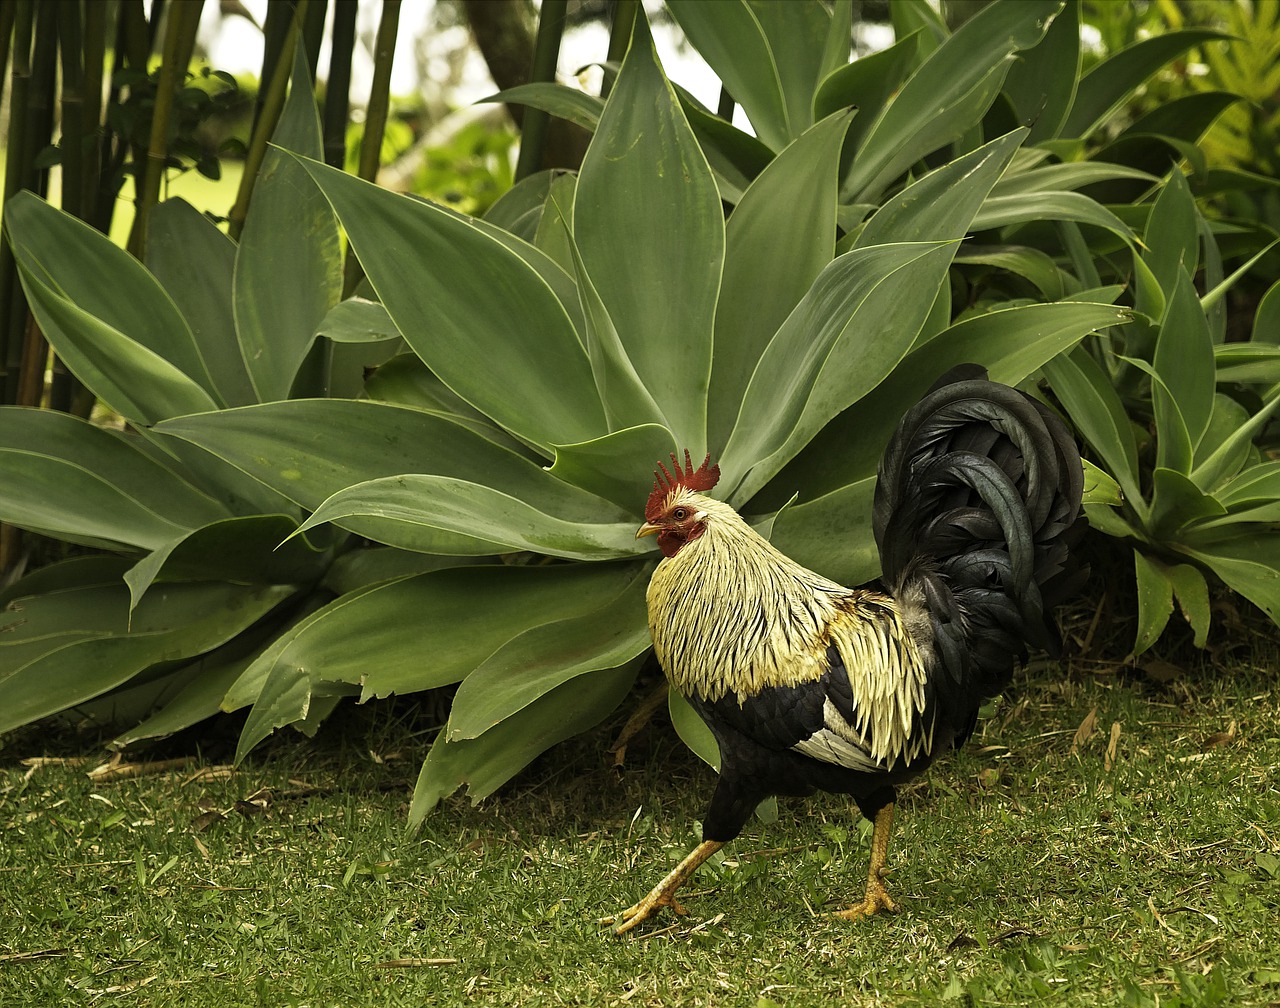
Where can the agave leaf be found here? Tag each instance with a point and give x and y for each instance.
(779, 237)
(485, 763)
(1155, 601)
(1029, 263)
(246, 550)
(133, 380)
(770, 58)
(603, 636)
(411, 510)
(1222, 462)
(1184, 362)
(832, 534)
(566, 103)
(358, 320)
(692, 730)
(1177, 502)
(1024, 208)
(1095, 409)
(309, 449)
(1066, 177)
(1247, 559)
(1106, 87)
(180, 622)
(90, 485)
(820, 361)
(645, 178)
(1192, 594)
(77, 264)
(1099, 487)
(195, 262)
(1172, 241)
(1266, 322)
(609, 466)
(947, 95)
(1011, 343)
(536, 381)
(867, 84)
(1041, 85)
(518, 211)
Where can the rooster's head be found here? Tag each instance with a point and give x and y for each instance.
(674, 512)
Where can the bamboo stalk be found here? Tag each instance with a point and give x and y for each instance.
(8, 12)
(179, 42)
(95, 40)
(546, 54)
(375, 121)
(71, 53)
(624, 20)
(13, 305)
(313, 35)
(337, 89)
(265, 125)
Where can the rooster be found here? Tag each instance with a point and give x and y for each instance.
(807, 685)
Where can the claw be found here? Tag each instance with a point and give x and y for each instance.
(664, 893)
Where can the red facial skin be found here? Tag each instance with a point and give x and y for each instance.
(674, 527)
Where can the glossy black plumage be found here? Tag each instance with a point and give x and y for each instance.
(976, 507)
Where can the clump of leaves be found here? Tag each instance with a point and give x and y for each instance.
(468, 518)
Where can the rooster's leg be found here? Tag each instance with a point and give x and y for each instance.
(664, 893)
(876, 898)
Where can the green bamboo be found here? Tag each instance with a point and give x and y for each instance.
(71, 143)
(313, 35)
(179, 42)
(275, 35)
(8, 11)
(95, 40)
(624, 20)
(13, 306)
(265, 125)
(375, 121)
(337, 89)
(546, 54)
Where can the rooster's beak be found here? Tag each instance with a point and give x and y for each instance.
(647, 529)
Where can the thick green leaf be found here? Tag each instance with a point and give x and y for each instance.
(823, 358)
(1192, 594)
(1066, 177)
(867, 84)
(309, 449)
(518, 211)
(1184, 361)
(288, 270)
(693, 731)
(250, 550)
(1011, 343)
(1155, 601)
(609, 466)
(484, 764)
(84, 571)
(601, 636)
(1222, 463)
(1247, 363)
(1099, 487)
(89, 485)
(947, 95)
(180, 621)
(566, 103)
(1172, 242)
(358, 320)
(195, 262)
(1259, 484)
(1266, 322)
(133, 380)
(1041, 84)
(778, 239)
(410, 512)
(648, 222)
(459, 296)
(1249, 563)
(1031, 264)
(82, 266)
(771, 57)
(1098, 414)
(1177, 502)
(1106, 88)
(1025, 208)
(832, 534)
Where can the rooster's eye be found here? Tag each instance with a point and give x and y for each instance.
(680, 514)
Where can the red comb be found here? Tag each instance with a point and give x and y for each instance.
(703, 478)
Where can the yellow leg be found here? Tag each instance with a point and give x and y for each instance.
(664, 893)
(876, 898)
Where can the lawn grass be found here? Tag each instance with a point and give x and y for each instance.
(1138, 863)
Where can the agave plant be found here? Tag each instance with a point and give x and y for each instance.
(1199, 497)
(469, 519)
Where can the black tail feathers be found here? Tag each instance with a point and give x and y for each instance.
(977, 506)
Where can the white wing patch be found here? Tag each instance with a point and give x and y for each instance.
(831, 747)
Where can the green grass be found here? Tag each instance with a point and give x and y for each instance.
(1025, 871)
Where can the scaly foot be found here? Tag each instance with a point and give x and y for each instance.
(877, 899)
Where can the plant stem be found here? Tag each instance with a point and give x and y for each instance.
(337, 89)
(265, 124)
(546, 54)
